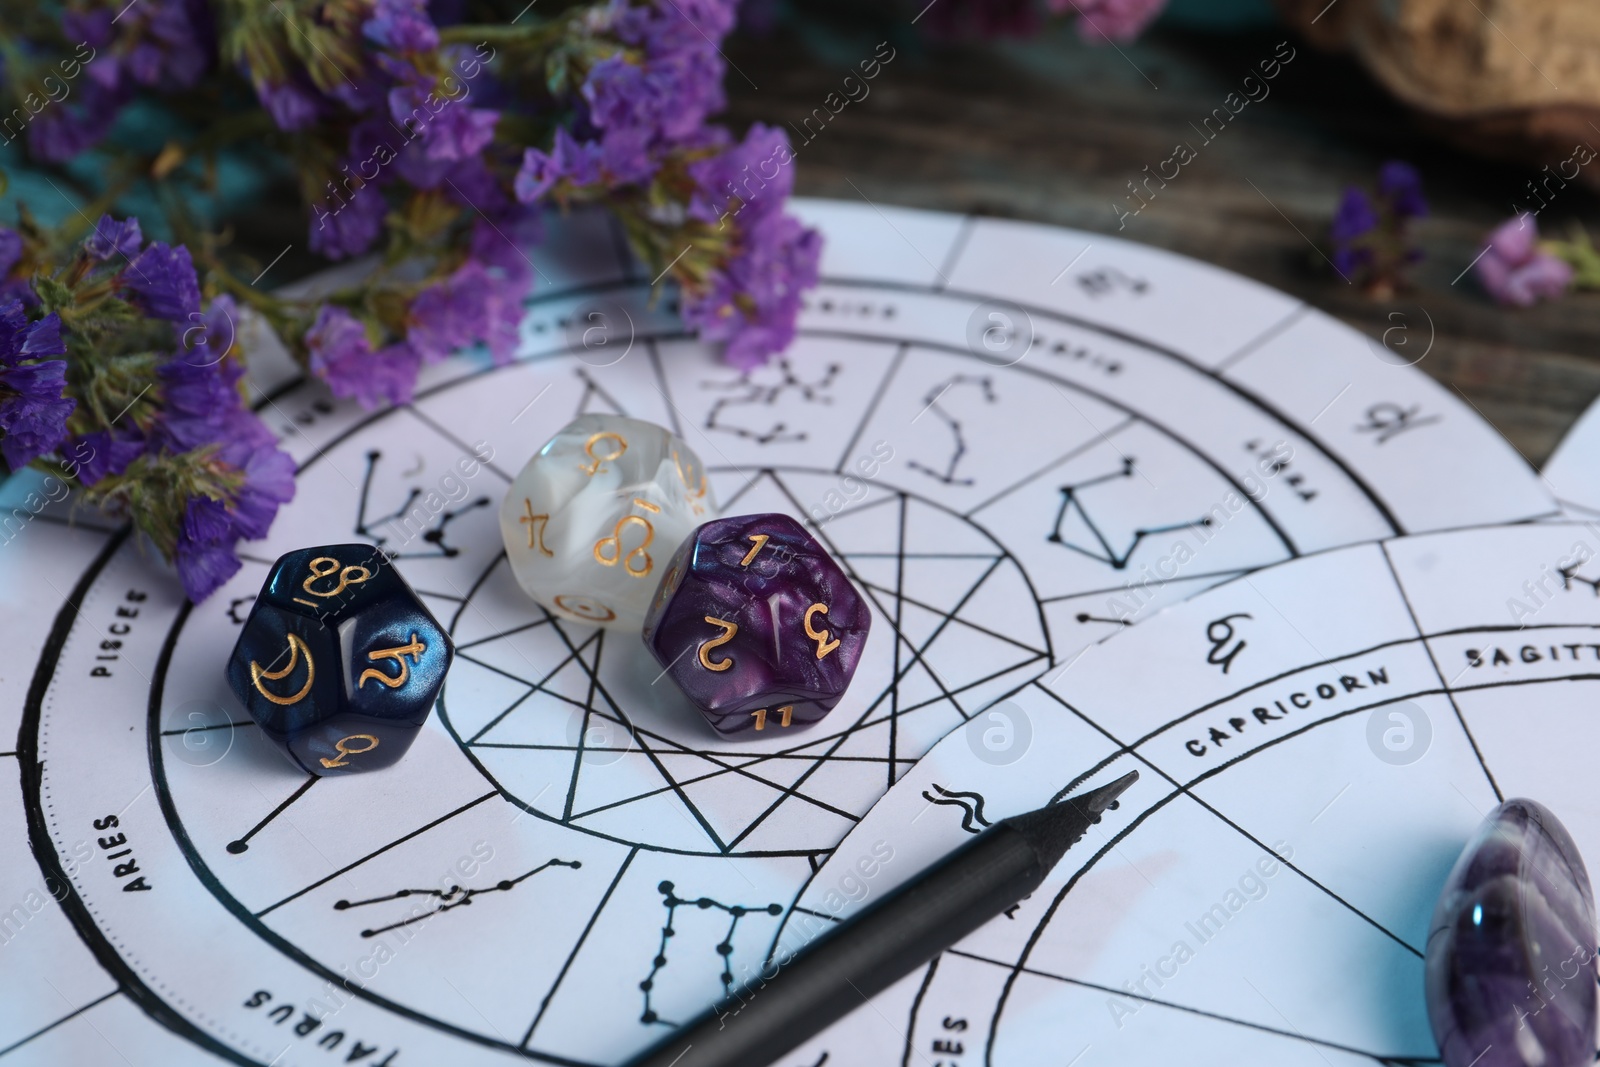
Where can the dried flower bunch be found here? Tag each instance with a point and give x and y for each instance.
(429, 136)
(1371, 231)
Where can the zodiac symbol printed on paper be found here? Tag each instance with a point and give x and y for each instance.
(1220, 632)
(971, 805)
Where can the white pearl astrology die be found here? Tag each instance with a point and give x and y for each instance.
(595, 516)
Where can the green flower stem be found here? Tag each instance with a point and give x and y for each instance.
(1581, 254)
(531, 31)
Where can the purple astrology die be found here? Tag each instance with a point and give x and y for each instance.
(1511, 952)
(757, 624)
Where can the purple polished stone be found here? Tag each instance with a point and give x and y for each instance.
(736, 622)
(1511, 953)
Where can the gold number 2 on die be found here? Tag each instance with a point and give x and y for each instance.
(729, 629)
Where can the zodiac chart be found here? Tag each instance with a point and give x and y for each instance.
(1015, 440)
(1254, 899)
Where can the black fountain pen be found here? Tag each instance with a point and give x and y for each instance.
(888, 939)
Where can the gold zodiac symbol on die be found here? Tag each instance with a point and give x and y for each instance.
(537, 524)
(585, 608)
(591, 469)
(258, 672)
(821, 637)
(608, 550)
(354, 574)
(394, 681)
(342, 746)
(696, 495)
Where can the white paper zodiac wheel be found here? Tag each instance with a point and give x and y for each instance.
(1142, 427)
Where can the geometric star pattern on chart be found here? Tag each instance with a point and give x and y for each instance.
(1204, 808)
(577, 725)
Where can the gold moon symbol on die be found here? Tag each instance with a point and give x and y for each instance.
(297, 646)
(586, 608)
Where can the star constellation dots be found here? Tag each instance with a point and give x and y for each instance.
(985, 387)
(444, 900)
(1072, 500)
(430, 518)
(748, 393)
(724, 948)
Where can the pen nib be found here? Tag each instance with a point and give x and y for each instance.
(1057, 827)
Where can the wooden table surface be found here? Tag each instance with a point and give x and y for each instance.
(1052, 130)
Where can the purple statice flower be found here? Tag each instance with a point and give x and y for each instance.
(641, 107)
(112, 239)
(665, 29)
(212, 528)
(657, 99)
(161, 282)
(746, 180)
(10, 250)
(173, 42)
(102, 454)
(1354, 222)
(508, 278)
(200, 387)
(61, 131)
(33, 413)
(291, 105)
(1515, 271)
(401, 26)
(342, 356)
(503, 311)
(444, 317)
(1101, 21)
(1400, 188)
(577, 162)
(204, 553)
(447, 127)
(210, 340)
(268, 483)
(752, 302)
(474, 304)
(93, 28)
(656, 96)
(472, 184)
(349, 227)
(499, 245)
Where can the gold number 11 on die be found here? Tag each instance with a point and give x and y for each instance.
(787, 711)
